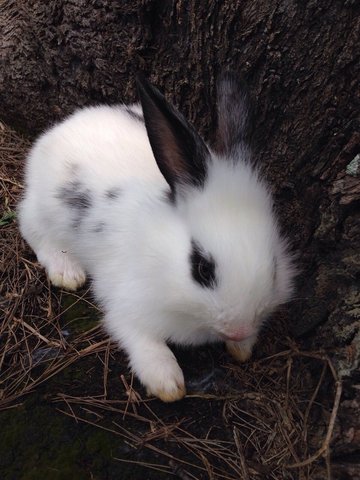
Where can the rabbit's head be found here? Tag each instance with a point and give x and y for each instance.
(234, 267)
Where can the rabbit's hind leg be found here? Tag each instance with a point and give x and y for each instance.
(37, 228)
(63, 270)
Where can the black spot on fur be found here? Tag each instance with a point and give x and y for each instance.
(113, 193)
(75, 196)
(202, 267)
(135, 115)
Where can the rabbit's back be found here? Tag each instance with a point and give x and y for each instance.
(74, 175)
(94, 146)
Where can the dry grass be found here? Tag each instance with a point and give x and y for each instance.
(33, 343)
(276, 416)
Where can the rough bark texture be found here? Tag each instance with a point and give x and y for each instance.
(301, 62)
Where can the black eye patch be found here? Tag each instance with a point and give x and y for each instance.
(202, 267)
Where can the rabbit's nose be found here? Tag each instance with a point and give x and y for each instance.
(237, 334)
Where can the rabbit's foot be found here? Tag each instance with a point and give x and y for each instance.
(155, 365)
(63, 271)
(241, 351)
(166, 382)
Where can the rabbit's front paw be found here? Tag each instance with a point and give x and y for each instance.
(166, 381)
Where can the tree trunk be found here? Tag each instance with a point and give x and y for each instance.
(301, 62)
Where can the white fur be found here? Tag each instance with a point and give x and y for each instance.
(139, 262)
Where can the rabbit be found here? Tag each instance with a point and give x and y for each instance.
(180, 240)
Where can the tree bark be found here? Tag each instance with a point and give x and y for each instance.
(301, 62)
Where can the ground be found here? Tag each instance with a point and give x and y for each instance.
(70, 409)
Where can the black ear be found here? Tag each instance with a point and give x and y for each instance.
(233, 107)
(179, 151)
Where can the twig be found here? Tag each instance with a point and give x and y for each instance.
(36, 333)
(241, 454)
(326, 445)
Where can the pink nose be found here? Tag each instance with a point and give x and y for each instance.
(236, 335)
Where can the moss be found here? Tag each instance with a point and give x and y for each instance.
(36, 442)
(39, 442)
(100, 446)
(78, 316)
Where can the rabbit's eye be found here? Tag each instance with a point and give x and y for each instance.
(202, 267)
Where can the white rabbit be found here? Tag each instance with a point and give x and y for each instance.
(180, 242)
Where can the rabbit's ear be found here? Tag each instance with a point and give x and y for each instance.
(179, 151)
(232, 103)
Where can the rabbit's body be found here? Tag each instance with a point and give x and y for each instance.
(81, 171)
(187, 258)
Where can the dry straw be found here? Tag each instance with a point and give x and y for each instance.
(277, 413)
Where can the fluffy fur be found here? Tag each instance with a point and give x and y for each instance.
(96, 204)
